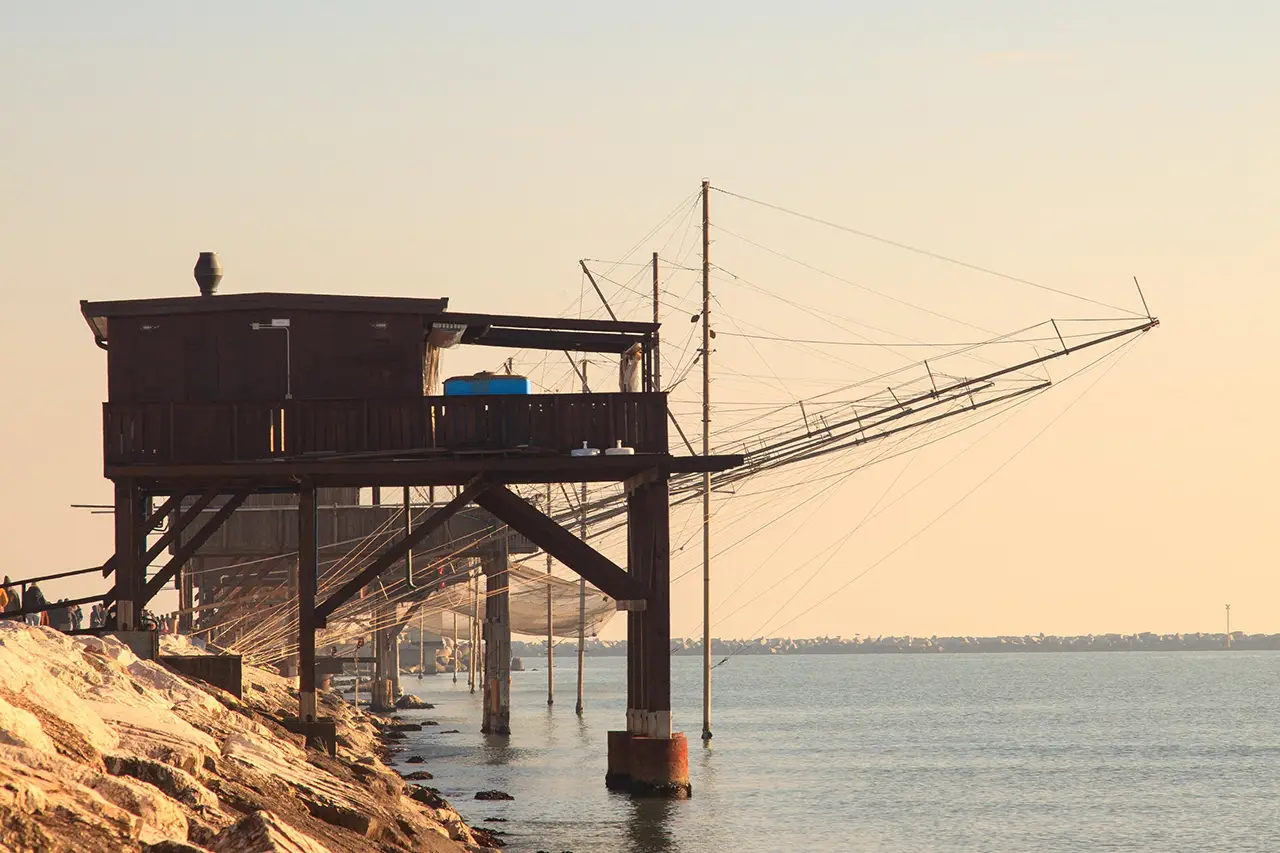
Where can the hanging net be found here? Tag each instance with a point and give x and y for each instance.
(528, 592)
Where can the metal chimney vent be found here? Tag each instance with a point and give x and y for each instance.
(208, 273)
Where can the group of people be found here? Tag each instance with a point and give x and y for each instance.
(40, 611)
(29, 599)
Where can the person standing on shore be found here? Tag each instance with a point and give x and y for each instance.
(13, 597)
(33, 600)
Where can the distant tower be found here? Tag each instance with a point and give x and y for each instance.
(1228, 626)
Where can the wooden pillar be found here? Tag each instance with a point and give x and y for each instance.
(393, 654)
(386, 659)
(497, 645)
(637, 566)
(473, 647)
(186, 598)
(656, 617)
(130, 544)
(308, 562)
(648, 758)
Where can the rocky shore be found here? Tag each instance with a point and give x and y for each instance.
(101, 752)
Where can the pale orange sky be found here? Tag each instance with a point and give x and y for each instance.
(439, 151)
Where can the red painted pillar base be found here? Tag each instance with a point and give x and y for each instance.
(660, 767)
(618, 775)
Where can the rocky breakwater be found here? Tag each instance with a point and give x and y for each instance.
(100, 751)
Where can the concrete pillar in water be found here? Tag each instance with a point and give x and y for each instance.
(497, 645)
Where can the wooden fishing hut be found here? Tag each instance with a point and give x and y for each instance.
(223, 397)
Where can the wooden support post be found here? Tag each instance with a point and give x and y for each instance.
(393, 655)
(308, 563)
(551, 642)
(638, 561)
(186, 603)
(475, 637)
(582, 581)
(408, 533)
(386, 658)
(497, 644)
(648, 758)
(130, 542)
(655, 546)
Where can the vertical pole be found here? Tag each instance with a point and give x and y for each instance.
(379, 658)
(582, 583)
(1228, 626)
(422, 646)
(455, 647)
(393, 656)
(408, 530)
(187, 603)
(497, 642)
(308, 560)
(706, 451)
(656, 355)
(551, 654)
(475, 616)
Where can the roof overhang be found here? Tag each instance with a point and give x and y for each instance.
(493, 330)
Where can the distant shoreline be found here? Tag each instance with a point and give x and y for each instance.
(1040, 644)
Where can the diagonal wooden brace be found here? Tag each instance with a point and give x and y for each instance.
(158, 514)
(589, 563)
(175, 530)
(397, 551)
(194, 544)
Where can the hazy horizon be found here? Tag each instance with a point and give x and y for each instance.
(417, 149)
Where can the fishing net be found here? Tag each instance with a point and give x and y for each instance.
(528, 590)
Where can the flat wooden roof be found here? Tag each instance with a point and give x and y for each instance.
(498, 330)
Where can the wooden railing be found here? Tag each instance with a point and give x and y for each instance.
(215, 433)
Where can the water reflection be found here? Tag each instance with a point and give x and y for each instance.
(649, 825)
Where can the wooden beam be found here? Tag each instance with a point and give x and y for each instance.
(174, 530)
(533, 339)
(396, 552)
(438, 470)
(193, 544)
(589, 563)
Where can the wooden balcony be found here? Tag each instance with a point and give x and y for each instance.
(190, 434)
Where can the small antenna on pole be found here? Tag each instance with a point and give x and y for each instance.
(1143, 298)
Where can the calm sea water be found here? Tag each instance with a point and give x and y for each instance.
(1001, 753)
